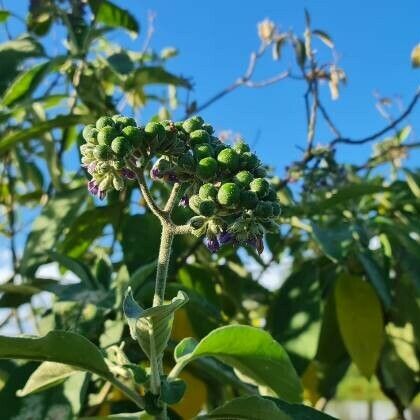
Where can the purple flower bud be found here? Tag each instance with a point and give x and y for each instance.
(101, 194)
(256, 243)
(185, 201)
(155, 174)
(93, 187)
(171, 177)
(128, 173)
(91, 167)
(213, 245)
(226, 238)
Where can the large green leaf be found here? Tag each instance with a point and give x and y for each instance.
(57, 346)
(47, 375)
(360, 321)
(258, 408)
(155, 75)
(12, 53)
(48, 227)
(28, 81)
(156, 321)
(252, 352)
(114, 16)
(23, 135)
(4, 15)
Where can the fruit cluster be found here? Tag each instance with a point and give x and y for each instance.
(224, 186)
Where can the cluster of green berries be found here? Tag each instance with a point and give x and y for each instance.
(225, 186)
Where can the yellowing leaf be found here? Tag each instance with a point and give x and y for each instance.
(415, 56)
(360, 321)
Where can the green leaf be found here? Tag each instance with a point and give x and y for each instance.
(415, 56)
(299, 411)
(48, 227)
(4, 15)
(360, 321)
(140, 276)
(333, 241)
(47, 375)
(57, 346)
(300, 52)
(13, 53)
(121, 62)
(172, 391)
(377, 277)
(111, 15)
(247, 408)
(412, 183)
(254, 353)
(76, 267)
(11, 139)
(158, 320)
(122, 416)
(155, 75)
(324, 37)
(28, 81)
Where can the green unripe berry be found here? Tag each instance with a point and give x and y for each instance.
(106, 135)
(207, 208)
(202, 151)
(243, 178)
(272, 195)
(194, 203)
(90, 133)
(118, 183)
(197, 222)
(249, 161)
(121, 146)
(209, 128)
(228, 159)
(228, 194)
(249, 200)
(155, 131)
(276, 208)
(135, 135)
(207, 168)
(264, 209)
(102, 152)
(122, 122)
(207, 192)
(192, 124)
(241, 147)
(199, 136)
(105, 122)
(260, 172)
(260, 186)
(118, 164)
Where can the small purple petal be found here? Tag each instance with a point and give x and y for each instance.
(226, 238)
(91, 167)
(213, 245)
(171, 177)
(155, 174)
(185, 201)
(101, 194)
(128, 173)
(93, 187)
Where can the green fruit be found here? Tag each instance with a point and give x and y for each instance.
(260, 186)
(260, 172)
(249, 200)
(105, 122)
(118, 164)
(207, 192)
(207, 168)
(272, 195)
(122, 122)
(241, 147)
(198, 137)
(276, 208)
(243, 178)
(209, 128)
(135, 135)
(90, 133)
(121, 146)
(207, 208)
(194, 203)
(228, 159)
(102, 152)
(264, 209)
(192, 124)
(228, 194)
(202, 151)
(106, 135)
(155, 131)
(249, 161)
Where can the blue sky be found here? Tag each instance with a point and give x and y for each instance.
(373, 39)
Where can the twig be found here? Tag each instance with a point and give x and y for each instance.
(151, 16)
